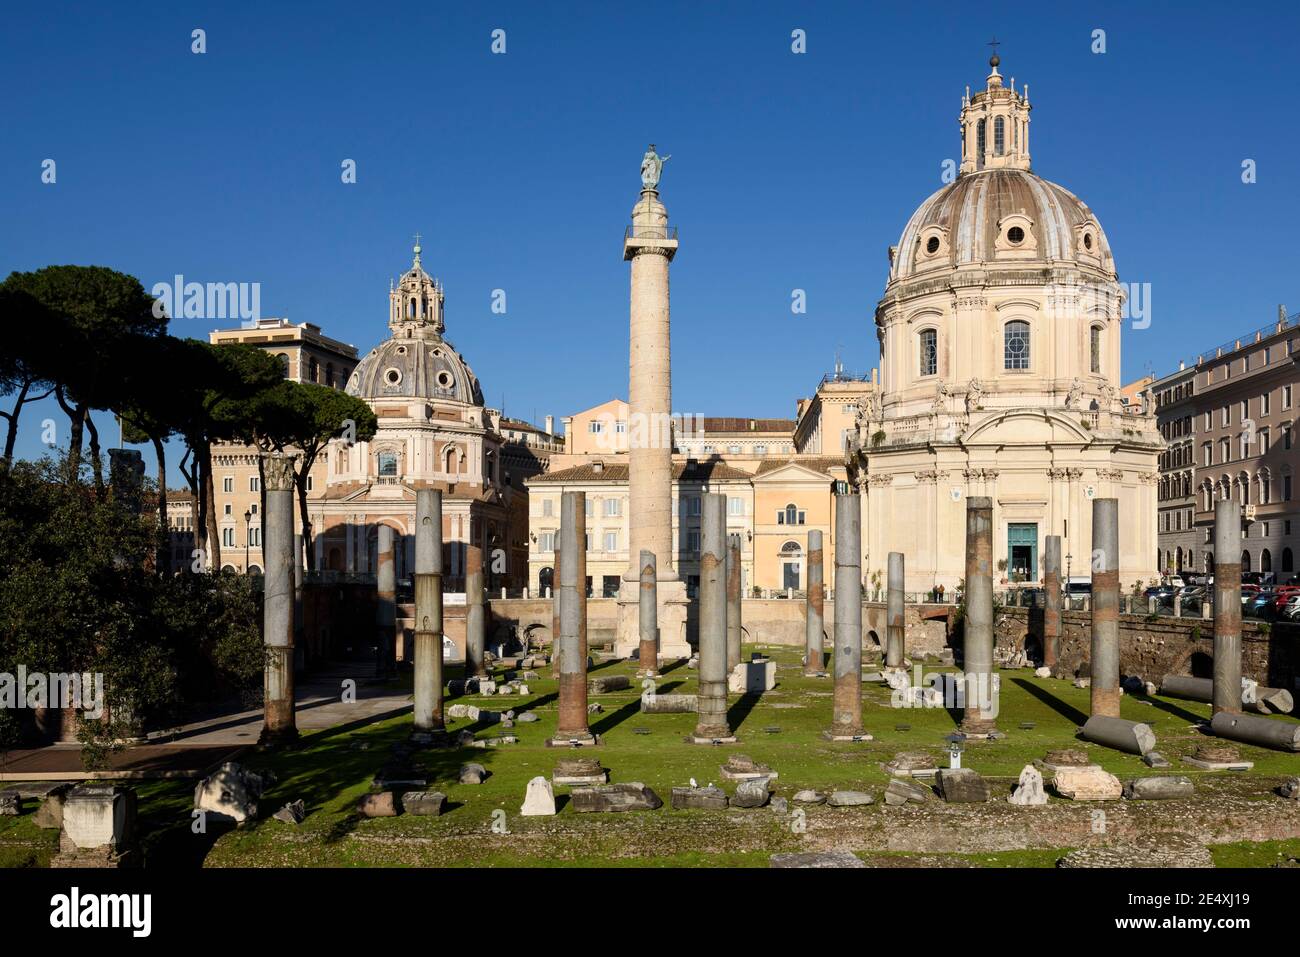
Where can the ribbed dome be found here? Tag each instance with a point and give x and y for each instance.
(969, 221)
(418, 366)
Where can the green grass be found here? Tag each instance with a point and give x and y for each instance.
(329, 771)
(1255, 854)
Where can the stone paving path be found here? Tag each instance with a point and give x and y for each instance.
(192, 749)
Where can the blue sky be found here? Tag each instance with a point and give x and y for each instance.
(520, 170)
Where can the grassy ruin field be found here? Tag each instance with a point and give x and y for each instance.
(1236, 814)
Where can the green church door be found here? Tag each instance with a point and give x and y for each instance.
(1022, 552)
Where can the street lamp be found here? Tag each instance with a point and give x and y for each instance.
(248, 523)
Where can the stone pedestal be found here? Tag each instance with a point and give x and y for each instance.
(98, 827)
(671, 614)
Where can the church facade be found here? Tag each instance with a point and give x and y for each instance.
(434, 431)
(999, 333)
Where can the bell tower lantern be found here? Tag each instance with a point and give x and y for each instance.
(415, 303)
(995, 125)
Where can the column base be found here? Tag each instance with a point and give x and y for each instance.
(835, 734)
(979, 729)
(584, 739)
(816, 674)
(726, 738)
(277, 738)
(437, 739)
(671, 612)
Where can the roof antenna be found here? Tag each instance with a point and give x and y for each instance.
(839, 365)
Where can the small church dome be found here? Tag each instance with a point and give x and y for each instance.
(415, 361)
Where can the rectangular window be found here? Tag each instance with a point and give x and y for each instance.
(735, 506)
(1286, 436)
(620, 426)
(227, 508)
(1286, 397)
(1209, 420)
(1263, 404)
(1263, 441)
(595, 427)
(1225, 451)
(693, 541)
(611, 541)
(693, 505)
(310, 483)
(1225, 416)
(1245, 409)
(760, 450)
(254, 483)
(1207, 455)
(590, 507)
(929, 352)
(612, 509)
(548, 508)
(228, 484)
(546, 542)
(1286, 488)
(228, 537)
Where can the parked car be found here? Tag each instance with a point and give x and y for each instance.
(1292, 609)
(1260, 605)
(1284, 595)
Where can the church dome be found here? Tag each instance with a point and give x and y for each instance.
(1000, 215)
(416, 367)
(415, 362)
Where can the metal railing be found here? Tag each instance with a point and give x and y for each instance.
(1249, 338)
(636, 231)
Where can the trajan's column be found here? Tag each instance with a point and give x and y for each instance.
(650, 244)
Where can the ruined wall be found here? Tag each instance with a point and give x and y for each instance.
(1151, 649)
(773, 621)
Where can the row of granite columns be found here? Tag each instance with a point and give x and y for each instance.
(720, 626)
(279, 609)
(1105, 725)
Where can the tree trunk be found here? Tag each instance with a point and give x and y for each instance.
(261, 508)
(210, 511)
(12, 437)
(96, 459)
(76, 416)
(164, 561)
(192, 480)
(300, 484)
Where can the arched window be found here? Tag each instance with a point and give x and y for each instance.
(929, 352)
(1209, 562)
(1287, 560)
(1266, 561)
(1094, 349)
(284, 363)
(312, 369)
(980, 143)
(791, 517)
(1245, 561)
(1015, 343)
(999, 136)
